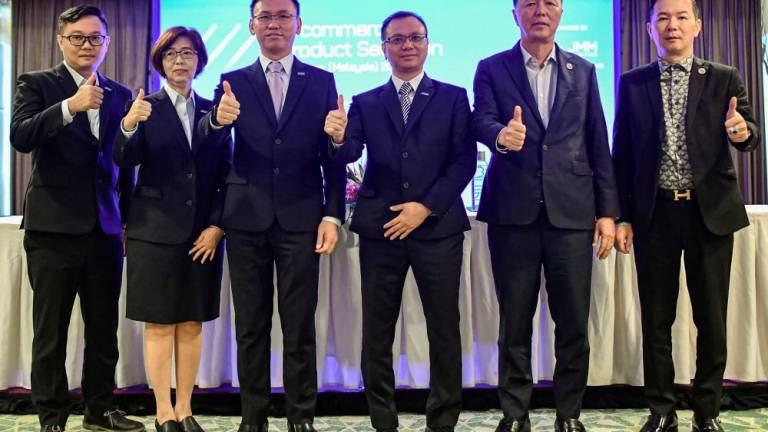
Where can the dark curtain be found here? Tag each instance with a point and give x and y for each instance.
(131, 28)
(731, 34)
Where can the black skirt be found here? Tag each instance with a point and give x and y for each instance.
(166, 287)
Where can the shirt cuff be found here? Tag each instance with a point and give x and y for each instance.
(500, 148)
(214, 126)
(68, 118)
(332, 220)
(128, 134)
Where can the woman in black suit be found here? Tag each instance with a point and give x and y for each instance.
(174, 255)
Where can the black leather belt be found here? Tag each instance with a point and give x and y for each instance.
(676, 195)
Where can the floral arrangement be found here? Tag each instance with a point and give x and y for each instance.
(355, 173)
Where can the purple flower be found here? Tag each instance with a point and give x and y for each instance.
(351, 193)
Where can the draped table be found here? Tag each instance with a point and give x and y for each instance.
(614, 324)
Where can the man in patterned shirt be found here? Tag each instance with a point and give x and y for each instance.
(676, 121)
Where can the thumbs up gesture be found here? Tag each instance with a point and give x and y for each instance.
(139, 112)
(336, 122)
(88, 96)
(229, 108)
(735, 125)
(512, 137)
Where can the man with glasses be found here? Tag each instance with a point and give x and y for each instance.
(549, 195)
(677, 121)
(284, 203)
(409, 215)
(76, 202)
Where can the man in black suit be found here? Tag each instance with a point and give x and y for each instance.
(283, 206)
(676, 121)
(549, 193)
(76, 201)
(409, 214)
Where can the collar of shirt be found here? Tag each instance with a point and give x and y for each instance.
(174, 95)
(527, 57)
(415, 81)
(77, 78)
(687, 64)
(286, 61)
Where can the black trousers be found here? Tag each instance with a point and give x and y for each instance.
(60, 267)
(436, 267)
(517, 256)
(677, 227)
(252, 257)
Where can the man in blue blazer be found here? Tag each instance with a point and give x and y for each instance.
(549, 194)
(409, 214)
(283, 204)
(75, 206)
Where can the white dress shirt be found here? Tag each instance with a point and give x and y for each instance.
(93, 114)
(415, 82)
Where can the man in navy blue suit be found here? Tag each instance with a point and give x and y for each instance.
(283, 204)
(549, 194)
(409, 214)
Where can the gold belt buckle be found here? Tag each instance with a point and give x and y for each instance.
(686, 195)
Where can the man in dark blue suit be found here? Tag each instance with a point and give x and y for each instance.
(75, 206)
(409, 214)
(283, 204)
(549, 194)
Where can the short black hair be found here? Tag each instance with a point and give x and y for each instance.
(400, 15)
(295, 3)
(696, 9)
(76, 13)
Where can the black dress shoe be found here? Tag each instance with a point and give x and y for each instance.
(189, 424)
(516, 425)
(168, 426)
(387, 430)
(51, 428)
(661, 423)
(301, 427)
(112, 420)
(707, 425)
(439, 429)
(569, 425)
(253, 428)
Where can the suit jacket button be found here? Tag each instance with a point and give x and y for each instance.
(278, 141)
(189, 203)
(189, 175)
(405, 155)
(545, 147)
(276, 171)
(538, 173)
(406, 185)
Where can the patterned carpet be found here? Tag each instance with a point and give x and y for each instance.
(595, 421)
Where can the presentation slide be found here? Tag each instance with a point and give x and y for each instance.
(343, 36)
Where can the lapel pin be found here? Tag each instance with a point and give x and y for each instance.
(108, 88)
(702, 71)
(569, 66)
(424, 94)
(301, 73)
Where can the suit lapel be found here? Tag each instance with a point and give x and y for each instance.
(258, 80)
(699, 75)
(653, 90)
(388, 98)
(420, 100)
(69, 88)
(106, 105)
(565, 71)
(167, 110)
(299, 77)
(514, 63)
(201, 108)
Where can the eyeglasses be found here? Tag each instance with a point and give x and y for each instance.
(79, 40)
(398, 40)
(281, 18)
(186, 54)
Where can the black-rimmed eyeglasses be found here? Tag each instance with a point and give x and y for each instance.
(186, 54)
(79, 40)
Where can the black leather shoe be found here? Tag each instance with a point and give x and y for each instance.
(253, 428)
(661, 423)
(707, 425)
(168, 426)
(112, 420)
(301, 427)
(439, 429)
(387, 430)
(51, 428)
(517, 425)
(189, 424)
(569, 425)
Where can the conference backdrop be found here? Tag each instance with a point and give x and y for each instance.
(343, 36)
